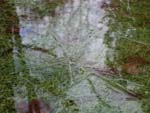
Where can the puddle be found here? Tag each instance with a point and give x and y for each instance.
(77, 31)
(60, 48)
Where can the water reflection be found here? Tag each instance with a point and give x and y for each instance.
(76, 31)
(35, 106)
(67, 43)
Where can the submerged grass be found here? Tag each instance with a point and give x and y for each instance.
(129, 26)
(54, 83)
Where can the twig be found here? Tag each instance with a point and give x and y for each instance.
(116, 85)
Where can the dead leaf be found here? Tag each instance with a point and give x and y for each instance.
(136, 59)
(131, 68)
(133, 64)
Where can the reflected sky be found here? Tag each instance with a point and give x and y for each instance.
(77, 30)
(75, 33)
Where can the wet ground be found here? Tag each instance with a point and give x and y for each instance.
(74, 56)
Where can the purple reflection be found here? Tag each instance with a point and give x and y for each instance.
(22, 107)
(35, 106)
(24, 32)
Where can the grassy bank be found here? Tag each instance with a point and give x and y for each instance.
(130, 31)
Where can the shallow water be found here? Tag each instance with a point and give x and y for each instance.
(62, 49)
